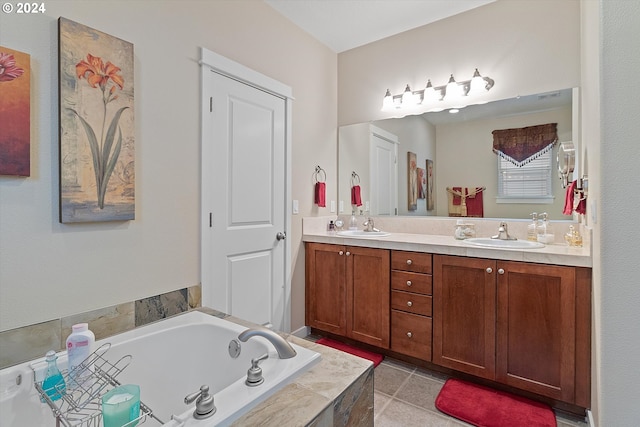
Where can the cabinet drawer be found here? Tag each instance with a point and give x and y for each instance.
(413, 303)
(417, 262)
(412, 282)
(411, 334)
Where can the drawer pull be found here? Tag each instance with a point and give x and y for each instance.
(409, 303)
(408, 282)
(409, 262)
(409, 334)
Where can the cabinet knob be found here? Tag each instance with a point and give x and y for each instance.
(408, 282)
(489, 270)
(409, 334)
(409, 262)
(340, 253)
(348, 253)
(500, 271)
(409, 303)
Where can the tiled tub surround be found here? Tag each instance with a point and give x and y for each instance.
(338, 391)
(435, 235)
(33, 341)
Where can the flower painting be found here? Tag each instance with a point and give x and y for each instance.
(97, 156)
(15, 124)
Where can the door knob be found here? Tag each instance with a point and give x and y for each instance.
(281, 235)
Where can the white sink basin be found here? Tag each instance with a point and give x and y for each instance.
(362, 233)
(506, 244)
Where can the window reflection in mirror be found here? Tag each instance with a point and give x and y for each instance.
(460, 146)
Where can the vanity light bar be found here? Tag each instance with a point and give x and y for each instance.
(453, 89)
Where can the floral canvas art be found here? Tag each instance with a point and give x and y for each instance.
(97, 132)
(15, 124)
(412, 181)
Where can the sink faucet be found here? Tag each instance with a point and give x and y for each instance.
(284, 349)
(369, 225)
(503, 233)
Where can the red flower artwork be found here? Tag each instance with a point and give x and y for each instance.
(8, 69)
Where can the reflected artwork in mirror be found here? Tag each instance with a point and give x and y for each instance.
(456, 150)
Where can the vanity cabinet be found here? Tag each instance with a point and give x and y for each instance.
(347, 291)
(520, 324)
(411, 304)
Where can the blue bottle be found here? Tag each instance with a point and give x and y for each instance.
(53, 384)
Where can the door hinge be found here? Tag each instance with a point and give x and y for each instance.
(211, 104)
(210, 219)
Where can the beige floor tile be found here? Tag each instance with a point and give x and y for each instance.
(400, 414)
(388, 379)
(420, 391)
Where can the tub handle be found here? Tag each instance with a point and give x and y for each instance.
(204, 403)
(254, 374)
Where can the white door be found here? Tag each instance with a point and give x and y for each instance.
(244, 195)
(383, 167)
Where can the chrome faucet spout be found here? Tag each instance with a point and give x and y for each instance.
(503, 233)
(282, 346)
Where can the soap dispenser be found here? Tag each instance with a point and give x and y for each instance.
(545, 233)
(53, 384)
(353, 222)
(532, 229)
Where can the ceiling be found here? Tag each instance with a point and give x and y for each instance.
(346, 24)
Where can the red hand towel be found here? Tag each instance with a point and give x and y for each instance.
(356, 198)
(582, 207)
(475, 205)
(568, 201)
(457, 199)
(320, 198)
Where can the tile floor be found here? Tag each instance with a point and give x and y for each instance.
(404, 397)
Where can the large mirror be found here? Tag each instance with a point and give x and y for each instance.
(459, 148)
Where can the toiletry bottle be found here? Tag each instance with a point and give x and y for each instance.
(79, 347)
(545, 232)
(53, 384)
(353, 222)
(532, 229)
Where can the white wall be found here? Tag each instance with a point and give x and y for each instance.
(613, 156)
(418, 136)
(49, 270)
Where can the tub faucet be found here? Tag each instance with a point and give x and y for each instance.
(503, 233)
(284, 349)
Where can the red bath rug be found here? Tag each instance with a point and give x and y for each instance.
(369, 355)
(486, 407)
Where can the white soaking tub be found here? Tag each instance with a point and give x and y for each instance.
(170, 359)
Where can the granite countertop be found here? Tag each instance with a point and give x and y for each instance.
(557, 253)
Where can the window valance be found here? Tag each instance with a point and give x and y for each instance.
(520, 146)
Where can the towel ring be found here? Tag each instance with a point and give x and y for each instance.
(355, 178)
(317, 173)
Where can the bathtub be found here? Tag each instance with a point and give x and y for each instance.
(171, 359)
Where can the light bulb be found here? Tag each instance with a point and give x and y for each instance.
(478, 84)
(387, 102)
(408, 98)
(430, 93)
(453, 89)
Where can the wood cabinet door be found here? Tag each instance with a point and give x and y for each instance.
(325, 292)
(368, 278)
(536, 329)
(464, 314)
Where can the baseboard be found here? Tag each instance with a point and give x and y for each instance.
(302, 332)
(590, 421)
